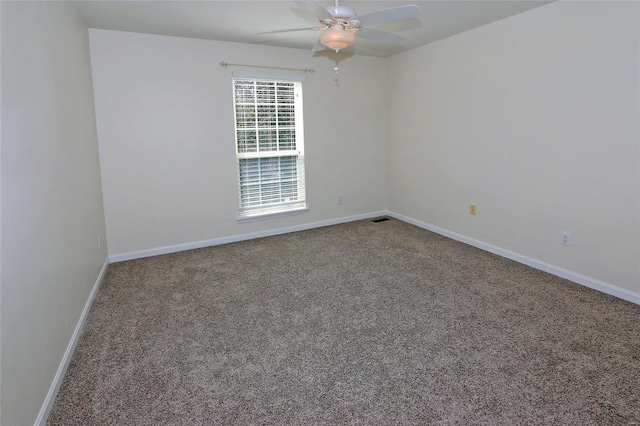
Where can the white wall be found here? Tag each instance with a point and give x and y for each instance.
(51, 198)
(165, 127)
(535, 119)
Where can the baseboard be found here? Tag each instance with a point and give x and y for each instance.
(543, 266)
(41, 420)
(586, 281)
(236, 238)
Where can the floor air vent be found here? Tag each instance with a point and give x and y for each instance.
(382, 219)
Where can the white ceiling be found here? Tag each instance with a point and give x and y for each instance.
(243, 21)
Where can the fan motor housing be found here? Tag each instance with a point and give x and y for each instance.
(341, 12)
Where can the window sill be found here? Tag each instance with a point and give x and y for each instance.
(270, 215)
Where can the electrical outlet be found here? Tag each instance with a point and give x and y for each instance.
(565, 238)
(340, 199)
(472, 209)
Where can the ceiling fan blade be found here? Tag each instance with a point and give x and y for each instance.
(318, 46)
(314, 8)
(390, 14)
(379, 36)
(287, 31)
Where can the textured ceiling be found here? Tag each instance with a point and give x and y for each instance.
(244, 21)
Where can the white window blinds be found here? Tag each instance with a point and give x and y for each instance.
(269, 145)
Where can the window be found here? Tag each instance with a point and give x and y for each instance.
(269, 146)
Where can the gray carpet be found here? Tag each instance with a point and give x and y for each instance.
(360, 323)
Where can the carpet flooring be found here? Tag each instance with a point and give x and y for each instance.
(359, 323)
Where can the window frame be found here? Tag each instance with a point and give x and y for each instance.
(268, 210)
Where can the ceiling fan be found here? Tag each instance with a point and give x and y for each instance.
(339, 25)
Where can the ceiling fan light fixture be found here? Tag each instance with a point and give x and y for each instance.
(337, 38)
